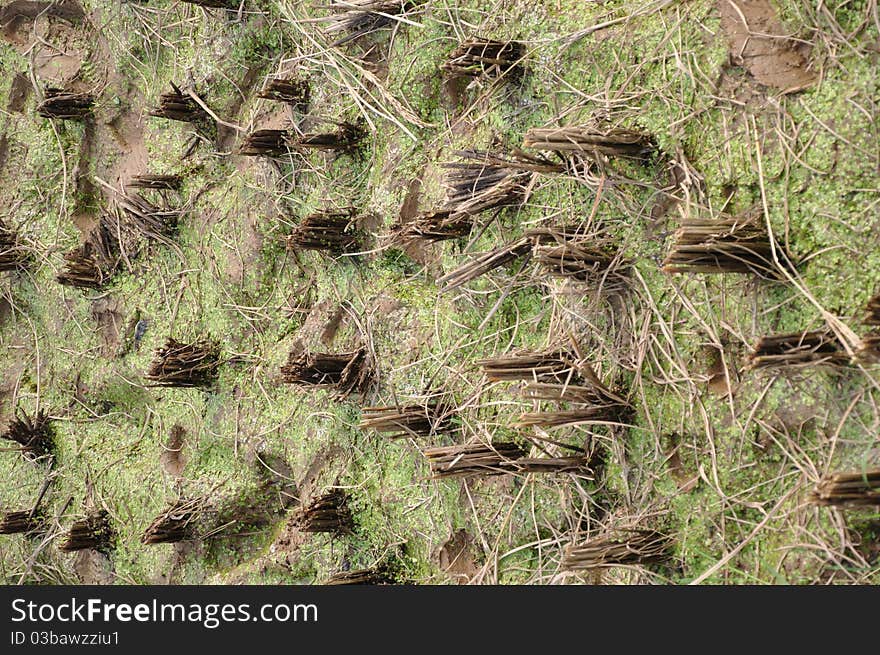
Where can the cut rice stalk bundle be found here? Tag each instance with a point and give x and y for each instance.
(231, 5)
(552, 365)
(578, 391)
(872, 311)
(373, 576)
(485, 57)
(93, 532)
(155, 182)
(178, 106)
(869, 347)
(798, 349)
(179, 364)
(349, 372)
(581, 261)
(328, 513)
(483, 264)
(362, 17)
(851, 488)
(96, 260)
(574, 464)
(728, 245)
(66, 105)
(13, 255)
(434, 226)
(473, 459)
(345, 139)
(23, 522)
(151, 221)
(34, 434)
(177, 523)
(621, 548)
(266, 143)
(614, 414)
(333, 231)
(295, 92)
(477, 185)
(407, 421)
(593, 143)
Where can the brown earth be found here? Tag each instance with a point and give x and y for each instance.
(759, 42)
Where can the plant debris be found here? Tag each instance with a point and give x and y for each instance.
(334, 231)
(407, 421)
(266, 143)
(157, 182)
(473, 459)
(34, 434)
(486, 57)
(66, 105)
(176, 523)
(179, 364)
(621, 548)
(433, 226)
(178, 106)
(727, 245)
(798, 349)
(852, 488)
(295, 92)
(374, 576)
(555, 365)
(96, 260)
(476, 185)
(590, 142)
(349, 371)
(328, 513)
(151, 221)
(483, 264)
(13, 255)
(583, 261)
(22, 522)
(345, 139)
(361, 17)
(94, 532)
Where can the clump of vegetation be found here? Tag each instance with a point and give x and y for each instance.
(327, 513)
(13, 254)
(798, 349)
(33, 434)
(26, 521)
(620, 548)
(178, 522)
(362, 17)
(66, 105)
(486, 57)
(850, 488)
(92, 532)
(348, 371)
(473, 459)
(179, 364)
(726, 245)
(333, 231)
(295, 92)
(409, 420)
